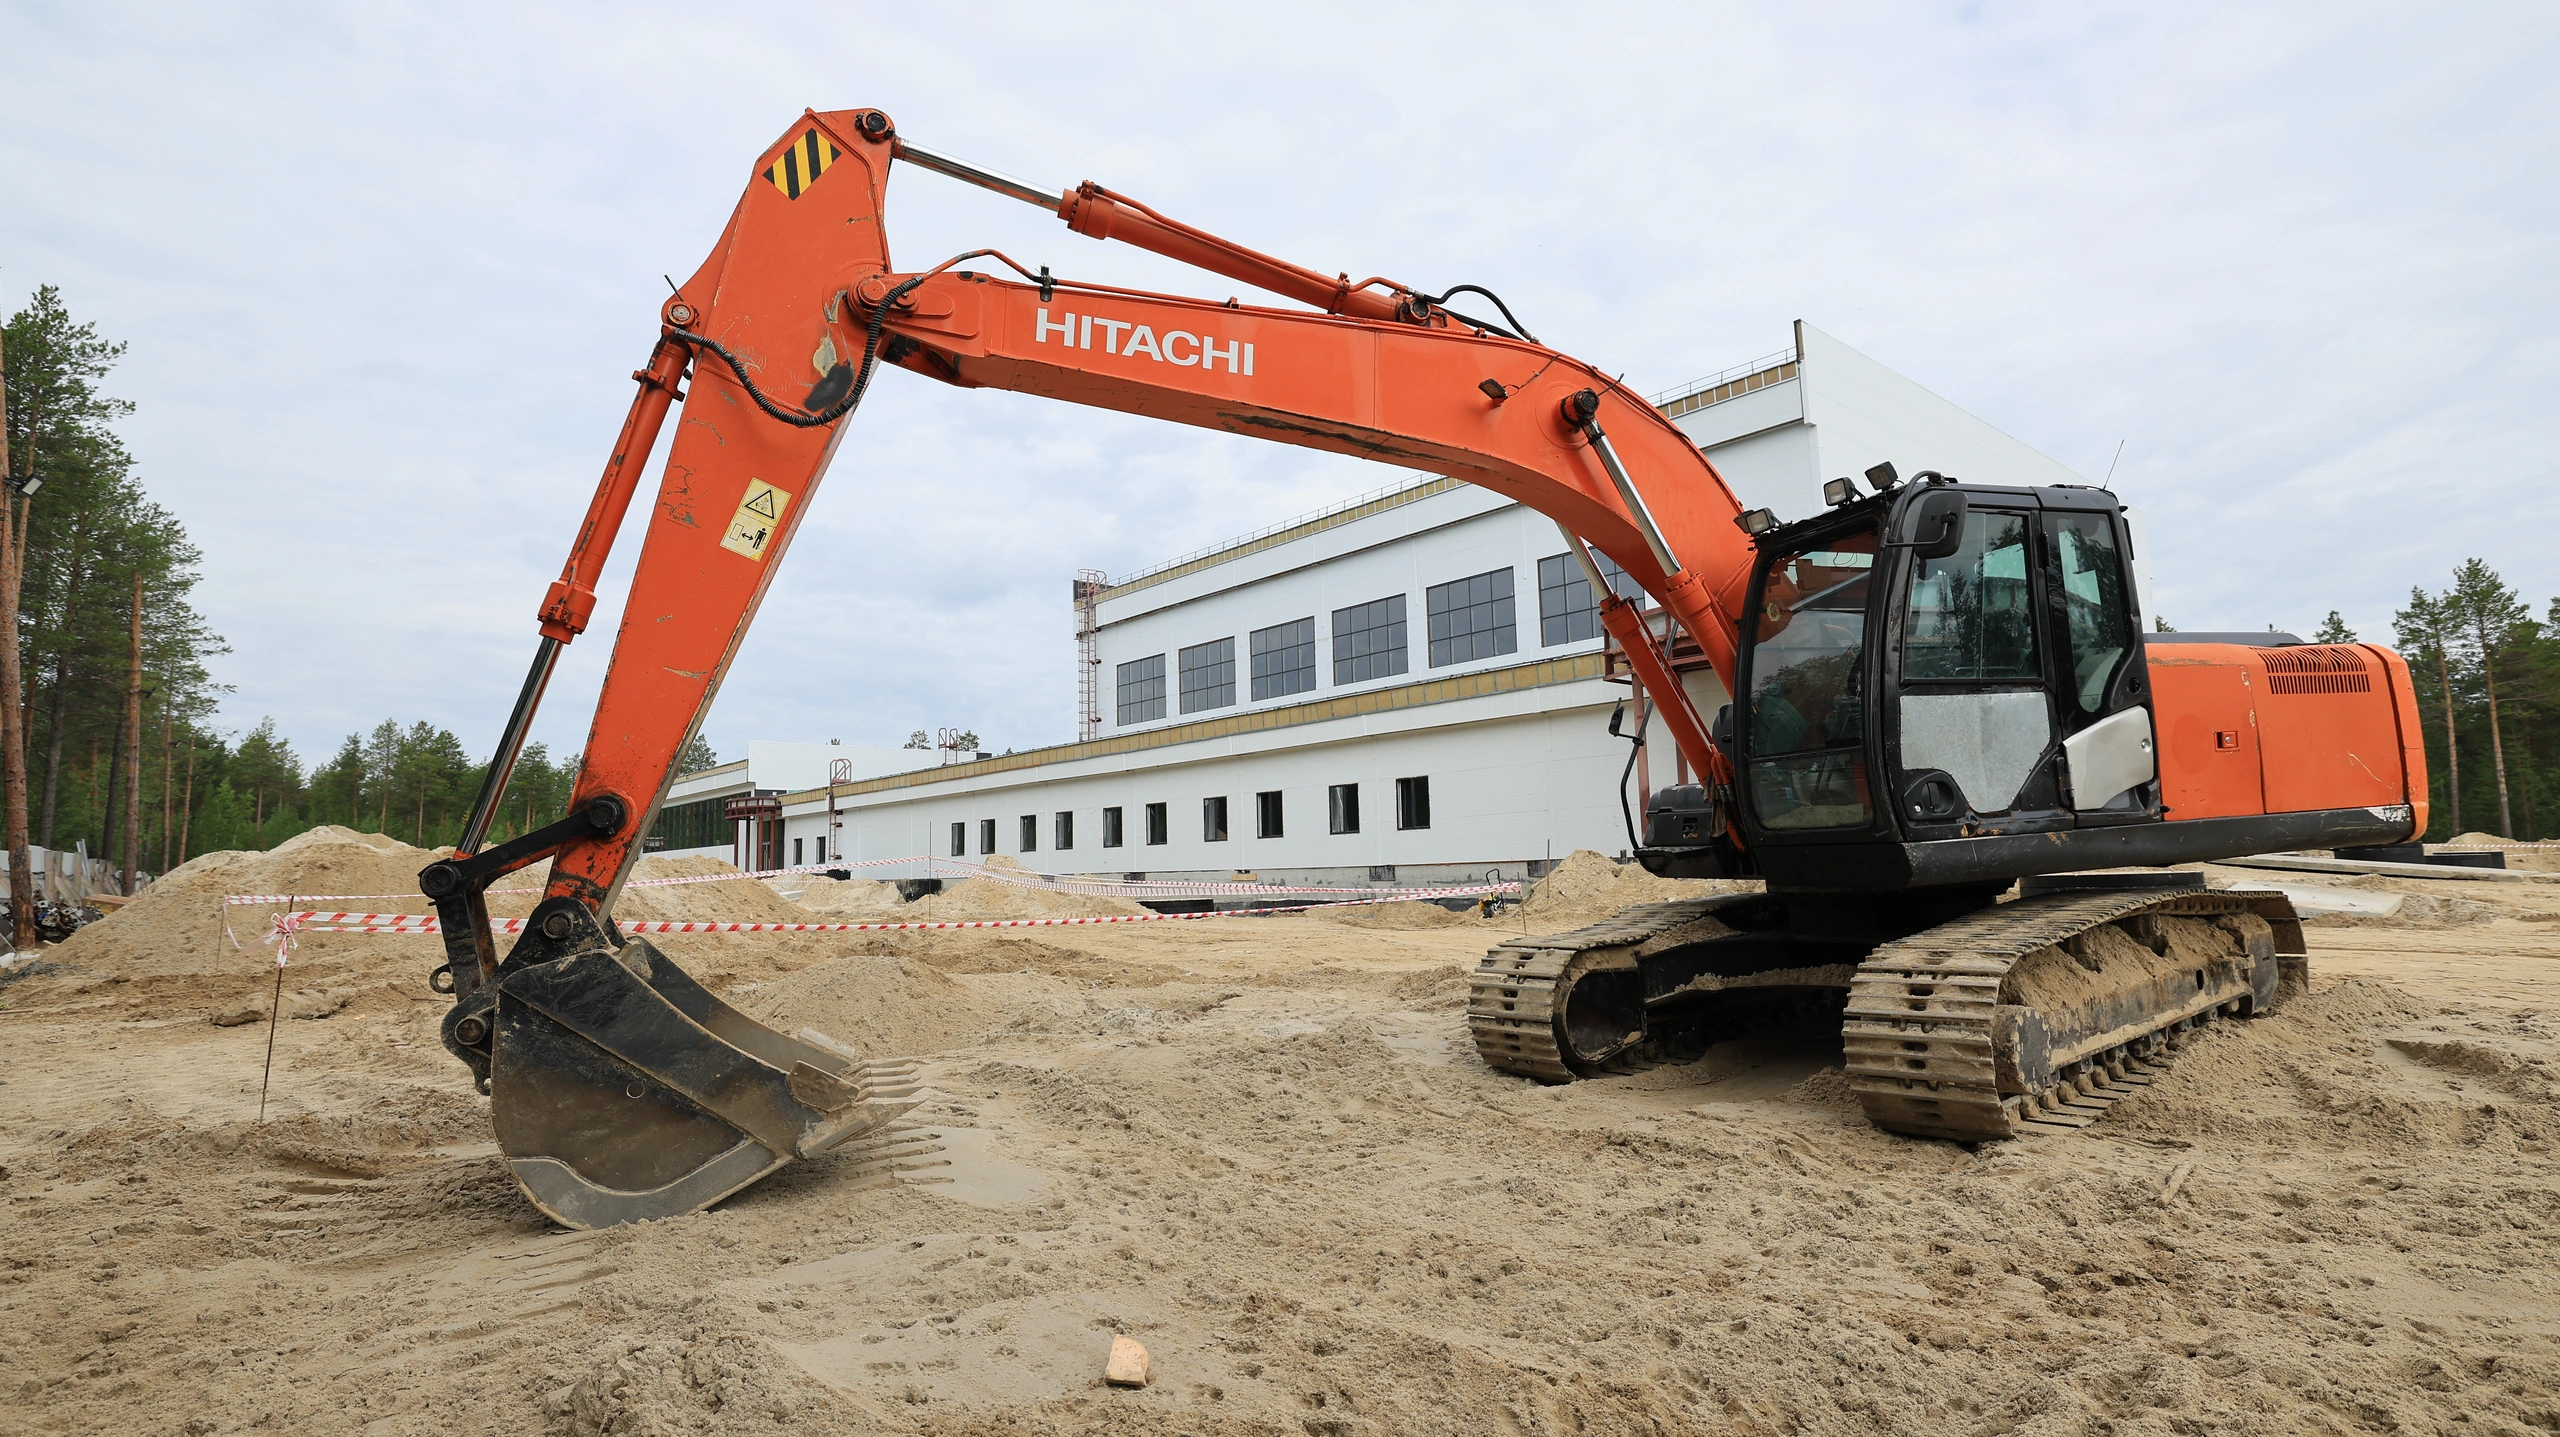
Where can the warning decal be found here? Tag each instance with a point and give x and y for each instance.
(758, 519)
(801, 165)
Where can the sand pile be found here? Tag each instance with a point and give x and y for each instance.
(975, 898)
(2532, 860)
(882, 1004)
(846, 900)
(176, 925)
(1401, 916)
(747, 901)
(1588, 887)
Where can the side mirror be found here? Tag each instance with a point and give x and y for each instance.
(1933, 526)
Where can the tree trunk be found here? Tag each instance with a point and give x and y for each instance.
(133, 763)
(53, 747)
(13, 733)
(168, 770)
(74, 578)
(187, 805)
(2497, 747)
(2452, 760)
(110, 817)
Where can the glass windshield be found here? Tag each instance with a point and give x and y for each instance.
(2097, 628)
(1969, 616)
(1806, 643)
(1806, 769)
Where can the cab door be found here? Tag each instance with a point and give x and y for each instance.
(2108, 771)
(1971, 719)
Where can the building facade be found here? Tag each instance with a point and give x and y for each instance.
(1409, 687)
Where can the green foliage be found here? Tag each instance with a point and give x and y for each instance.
(91, 533)
(919, 739)
(2334, 630)
(696, 757)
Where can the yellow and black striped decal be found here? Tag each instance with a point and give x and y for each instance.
(801, 165)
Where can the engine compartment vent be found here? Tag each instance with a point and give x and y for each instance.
(2318, 669)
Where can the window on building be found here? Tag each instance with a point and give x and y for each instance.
(1413, 802)
(699, 824)
(1031, 833)
(1209, 675)
(959, 840)
(1266, 814)
(986, 835)
(1368, 640)
(1111, 835)
(1471, 618)
(1284, 659)
(1567, 613)
(1063, 831)
(1142, 689)
(1156, 833)
(818, 848)
(798, 847)
(1213, 819)
(1342, 807)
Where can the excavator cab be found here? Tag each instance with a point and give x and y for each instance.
(1941, 684)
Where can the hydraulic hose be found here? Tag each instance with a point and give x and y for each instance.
(802, 419)
(1635, 745)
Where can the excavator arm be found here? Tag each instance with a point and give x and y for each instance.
(781, 332)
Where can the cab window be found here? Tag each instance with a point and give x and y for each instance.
(2096, 617)
(1807, 699)
(1969, 617)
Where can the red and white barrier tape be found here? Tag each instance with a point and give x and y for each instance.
(398, 924)
(1019, 878)
(259, 898)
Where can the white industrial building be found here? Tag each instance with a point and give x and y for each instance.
(1408, 687)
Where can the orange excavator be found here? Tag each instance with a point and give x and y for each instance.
(1940, 691)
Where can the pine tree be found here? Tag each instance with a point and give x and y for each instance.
(2489, 618)
(696, 757)
(2425, 631)
(2334, 630)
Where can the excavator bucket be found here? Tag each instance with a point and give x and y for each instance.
(622, 1090)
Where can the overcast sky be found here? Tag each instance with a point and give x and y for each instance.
(385, 272)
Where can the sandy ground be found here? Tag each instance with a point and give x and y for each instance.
(1263, 1148)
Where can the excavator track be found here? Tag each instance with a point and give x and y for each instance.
(1604, 977)
(2020, 1018)
(2037, 1016)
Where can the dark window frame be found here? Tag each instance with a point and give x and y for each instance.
(1030, 833)
(959, 838)
(1115, 829)
(1208, 675)
(1473, 618)
(1269, 814)
(986, 835)
(1283, 659)
(1159, 832)
(1413, 802)
(1213, 819)
(1369, 641)
(1139, 690)
(1342, 808)
(1062, 831)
